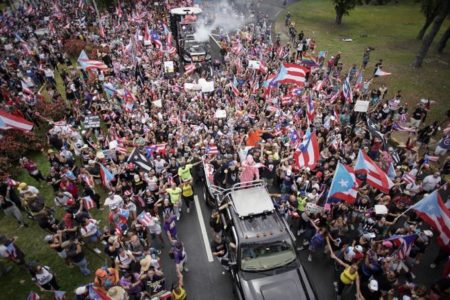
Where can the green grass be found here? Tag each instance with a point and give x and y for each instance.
(391, 30)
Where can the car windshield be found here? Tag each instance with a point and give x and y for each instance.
(262, 257)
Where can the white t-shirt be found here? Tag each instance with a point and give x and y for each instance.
(90, 229)
(44, 277)
(430, 183)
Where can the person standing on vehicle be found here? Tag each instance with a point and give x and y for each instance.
(219, 250)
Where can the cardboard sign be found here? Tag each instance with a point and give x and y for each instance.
(254, 64)
(168, 67)
(220, 114)
(192, 87)
(312, 208)
(8, 47)
(361, 106)
(157, 103)
(206, 86)
(381, 210)
(92, 122)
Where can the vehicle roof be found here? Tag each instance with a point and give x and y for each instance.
(261, 227)
(251, 201)
(186, 10)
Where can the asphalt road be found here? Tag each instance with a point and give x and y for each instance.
(206, 280)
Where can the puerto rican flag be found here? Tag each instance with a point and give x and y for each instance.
(188, 69)
(211, 149)
(375, 175)
(409, 178)
(308, 153)
(286, 100)
(296, 92)
(344, 185)
(88, 203)
(404, 244)
(59, 295)
(87, 64)
(398, 127)
(234, 87)
(380, 72)
(106, 176)
(310, 111)
(262, 67)
(145, 218)
(433, 211)
(347, 90)
(30, 10)
(291, 73)
(9, 121)
(33, 296)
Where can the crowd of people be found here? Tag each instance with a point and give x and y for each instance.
(159, 135)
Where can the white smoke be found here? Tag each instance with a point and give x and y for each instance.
(221, 16)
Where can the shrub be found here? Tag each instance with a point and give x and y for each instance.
(73, 47)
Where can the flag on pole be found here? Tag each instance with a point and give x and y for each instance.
(391, 171)
(10, 121)
(88, 203)
(88, 64)
(234, 87)
(307, 155)
(188, 69)
(380, 72)
(139, 159)
(211, 149)
(433, 211)
(375, 132)
(145, 218)
(409, 178)
(347, 90)
(310, 112)
(291, 73)
(375, 175)
(404, 244)
(105, 175)
(59, 295)
(344, 185)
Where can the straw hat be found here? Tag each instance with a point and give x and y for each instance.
(146, 263)
(117, 293)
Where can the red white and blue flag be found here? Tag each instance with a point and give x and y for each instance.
(106, 175)
(310, 111)
(375, 175)
(9, 121)
(404, 244)
(59, 295)
(344, 185)
(33, 296)
(347, 90)
(409, 178)
(188, 69)
(308, 153)
(291, 73)
(433, 211)
(211, 149)
(88, 203)
(87, 64)
(234, 87)
(145, 218)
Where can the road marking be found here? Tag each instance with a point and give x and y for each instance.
(203, 229)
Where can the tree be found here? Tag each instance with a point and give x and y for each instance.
(444, 10)
(443, 41)
(430, 9)
(343, 7)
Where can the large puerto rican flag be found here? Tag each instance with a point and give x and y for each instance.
(9, 121)
(433, 211)
(87, 64)
(375, 175)
(344, 185)
(291, 73)
(308, 153)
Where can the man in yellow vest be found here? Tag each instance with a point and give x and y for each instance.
(174, 193)
(188, 194)
(179, 293)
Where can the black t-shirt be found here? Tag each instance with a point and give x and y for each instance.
(418, 113)
(217, 247)
(73, 255)
(155, 284)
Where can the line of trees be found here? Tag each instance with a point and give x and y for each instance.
(434, 11)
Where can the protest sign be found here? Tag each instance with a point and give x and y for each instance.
(92, 122)
(168, 67)
(206, 86)
(254, 64)
(220, 114)
(361, 106)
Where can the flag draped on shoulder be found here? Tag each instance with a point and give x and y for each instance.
(10, 121)
(291, 73)
(344, 185)
(433, 211)
(308, 153)
(375, 175)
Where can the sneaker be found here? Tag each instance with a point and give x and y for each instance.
(188, 210)
(335, 286)
(413, 276)
(433, 265)
(186, 269)
(310, 258)
(301, 248)
(96, 250)
(20, 226)
(178, 218)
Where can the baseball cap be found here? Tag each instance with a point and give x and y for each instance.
(373, 285)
